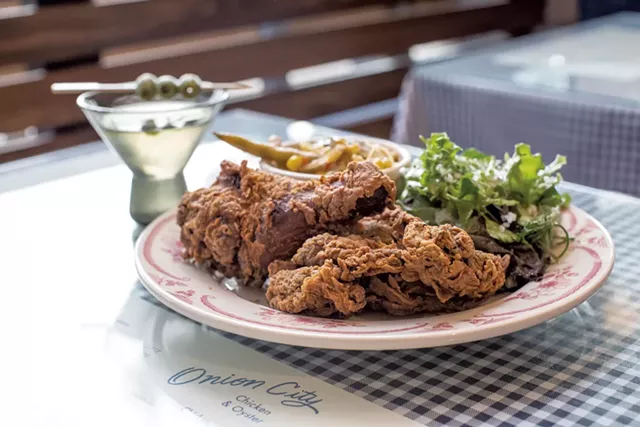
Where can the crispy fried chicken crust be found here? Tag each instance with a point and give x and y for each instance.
(334, 246)
(249, 218)
(417, 268)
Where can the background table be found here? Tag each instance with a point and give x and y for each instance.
(574, 91)
(71, 289)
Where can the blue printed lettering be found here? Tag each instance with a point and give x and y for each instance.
(175, 378)
(295, 399)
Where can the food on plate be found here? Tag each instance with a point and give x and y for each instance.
(509, 206)
(249, 218)
(319, 156)
(334, 246)
(426, 269)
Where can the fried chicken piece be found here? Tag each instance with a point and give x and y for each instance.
(249, 218)
(410, 267)
(314, 290)
(445, 257)
(330, 263)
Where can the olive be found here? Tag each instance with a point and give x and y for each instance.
(167, 86)
(149, 127)
(190, 85)
(146, 88)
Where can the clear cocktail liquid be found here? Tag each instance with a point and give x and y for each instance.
(158, 146)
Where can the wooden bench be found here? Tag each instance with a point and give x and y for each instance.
(223, 40)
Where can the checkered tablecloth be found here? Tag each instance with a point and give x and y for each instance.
(480, 102)
(582, 368)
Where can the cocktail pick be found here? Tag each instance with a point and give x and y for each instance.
(129, 87)
(148, 86)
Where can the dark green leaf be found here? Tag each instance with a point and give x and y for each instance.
(465, 210)
(468, 188)
(422, 209)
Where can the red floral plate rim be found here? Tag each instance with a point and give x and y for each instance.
(198, 295)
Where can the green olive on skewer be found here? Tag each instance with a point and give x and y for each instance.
(190, 85)
(167, 86)
(146, 88)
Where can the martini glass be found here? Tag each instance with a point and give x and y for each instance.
(155, 139)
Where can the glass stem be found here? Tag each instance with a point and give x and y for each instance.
(151, 198)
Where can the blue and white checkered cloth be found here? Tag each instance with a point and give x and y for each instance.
(601, 142)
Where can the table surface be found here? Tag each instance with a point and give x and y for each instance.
(67, 261)
(590, 63)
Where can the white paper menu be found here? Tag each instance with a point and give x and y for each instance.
(153, 367)
(225, 383)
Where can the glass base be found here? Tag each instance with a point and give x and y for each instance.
(151, 198)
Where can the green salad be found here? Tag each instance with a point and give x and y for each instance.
(508, 206)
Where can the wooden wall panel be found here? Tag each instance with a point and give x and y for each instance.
(266, 58)
(69, 30)
(305, 104)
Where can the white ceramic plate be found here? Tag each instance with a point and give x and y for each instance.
(217, 302)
